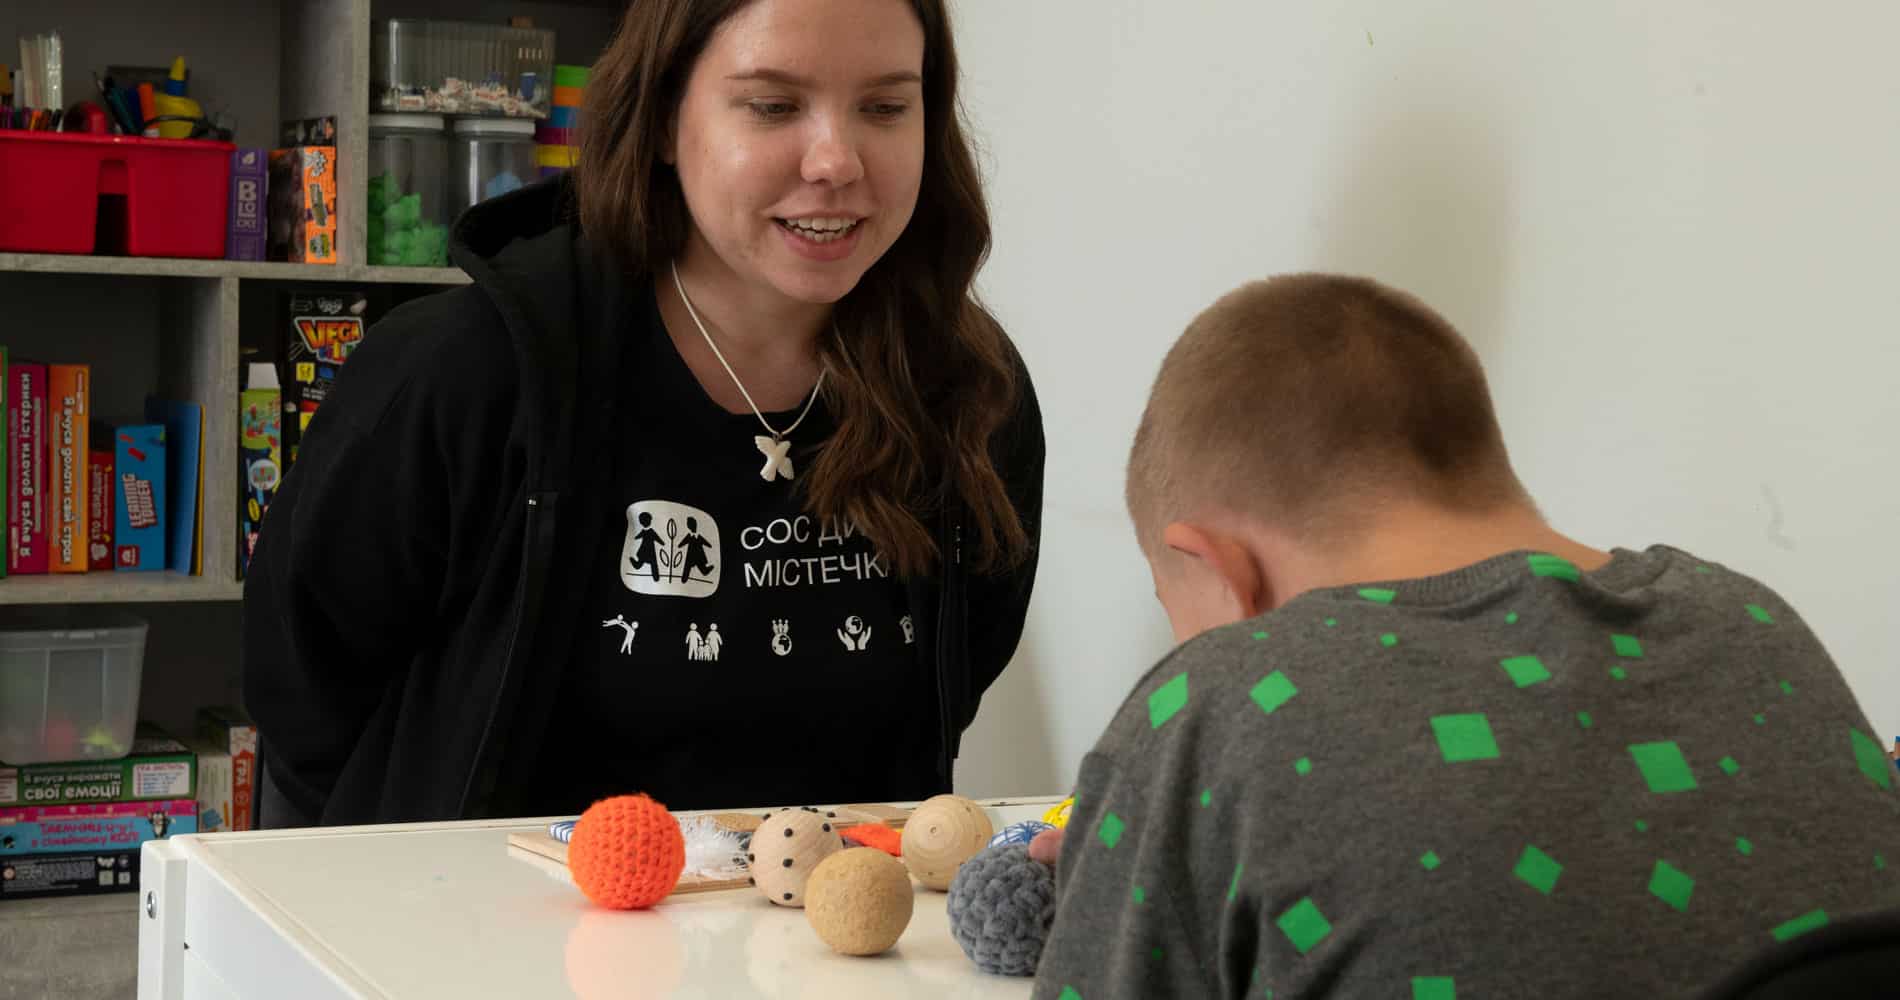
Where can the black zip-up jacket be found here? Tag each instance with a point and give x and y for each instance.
(415, 591)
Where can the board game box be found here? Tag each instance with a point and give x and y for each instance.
(158, 768)
(98, 826)
(322, 327)
(88, 874)
(229, 730)
(301, 194)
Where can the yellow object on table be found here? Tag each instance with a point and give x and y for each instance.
(1058, 815)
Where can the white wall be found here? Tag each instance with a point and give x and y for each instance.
(1670, 229)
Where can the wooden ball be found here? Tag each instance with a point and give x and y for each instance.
(944, 832)
(859, 901)
(785, 848)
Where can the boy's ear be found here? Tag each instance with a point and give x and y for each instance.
(1228, 558)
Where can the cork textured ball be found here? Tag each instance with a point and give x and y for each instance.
(627, 852)
(944, 832)
(786, 847)
(859, 901)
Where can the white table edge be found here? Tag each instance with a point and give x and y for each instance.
(178, 876)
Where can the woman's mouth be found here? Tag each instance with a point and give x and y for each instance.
(819, 229)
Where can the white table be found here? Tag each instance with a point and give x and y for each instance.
(449, 910)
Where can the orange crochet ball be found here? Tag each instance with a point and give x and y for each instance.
(627, 852)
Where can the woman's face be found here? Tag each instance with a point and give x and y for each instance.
(799, 142)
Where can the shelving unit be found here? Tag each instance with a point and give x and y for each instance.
(323, 70)
(322, 67)
(177, 328)
(120, 588)
(168, 267)
(172, 326)
(198, 332)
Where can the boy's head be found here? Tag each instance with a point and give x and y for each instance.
(1292, 418)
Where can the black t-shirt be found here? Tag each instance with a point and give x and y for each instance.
(746, 652)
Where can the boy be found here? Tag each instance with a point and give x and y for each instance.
(1415, 742)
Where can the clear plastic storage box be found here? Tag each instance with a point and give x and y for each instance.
(69, 683)
(458, 68)
(488, 158)
(409, 211)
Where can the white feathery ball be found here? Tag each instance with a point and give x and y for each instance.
(712, 851)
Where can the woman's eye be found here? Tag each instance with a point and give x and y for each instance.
(771, 110)
(887, 110)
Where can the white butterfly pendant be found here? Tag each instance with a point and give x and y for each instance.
(778, 457)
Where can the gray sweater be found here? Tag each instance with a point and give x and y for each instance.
(1513, 780)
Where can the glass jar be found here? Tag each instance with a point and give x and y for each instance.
(490, 157)
(409, 214)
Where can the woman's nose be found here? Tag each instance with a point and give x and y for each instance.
(832, 158)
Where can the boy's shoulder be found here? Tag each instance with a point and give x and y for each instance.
(1368, 657)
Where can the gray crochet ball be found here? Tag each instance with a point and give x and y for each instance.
(1001, 905)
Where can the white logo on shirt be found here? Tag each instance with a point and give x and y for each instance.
(855, 634)
(671, 550)
(621, 622)
(703, 647)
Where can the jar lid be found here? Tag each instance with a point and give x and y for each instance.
(500, 127)
(423, 123)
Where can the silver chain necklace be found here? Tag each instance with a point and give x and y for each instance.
(777, 448)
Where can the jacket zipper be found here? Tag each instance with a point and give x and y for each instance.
(539, 539)
(946, 759)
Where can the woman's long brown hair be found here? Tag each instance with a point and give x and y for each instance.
(922, 376)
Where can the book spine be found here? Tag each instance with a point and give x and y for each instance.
(243, 747)
(69, 390)
(26, 461)
(138, 495)
(6, 456)
(99, 512)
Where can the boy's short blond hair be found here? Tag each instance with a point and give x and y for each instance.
(1309, 401)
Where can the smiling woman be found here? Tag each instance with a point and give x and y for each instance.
(800, 156)
(720, 400)
(809, 149)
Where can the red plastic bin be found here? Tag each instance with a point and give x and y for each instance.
(71, 192)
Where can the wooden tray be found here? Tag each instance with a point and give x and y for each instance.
(539, 844)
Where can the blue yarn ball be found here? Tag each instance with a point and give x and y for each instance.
(1019, 833)
(1001, 905)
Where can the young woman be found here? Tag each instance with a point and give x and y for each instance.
(716, 484)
